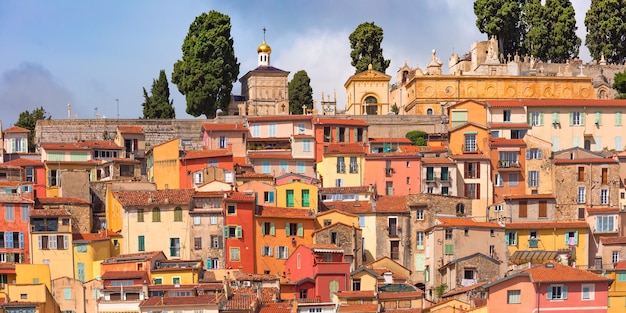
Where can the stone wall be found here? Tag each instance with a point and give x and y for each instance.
(486, 270)
(348, 238)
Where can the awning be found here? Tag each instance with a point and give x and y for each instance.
(533, 256)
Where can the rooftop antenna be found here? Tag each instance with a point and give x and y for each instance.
(118, 108)
(96, 108)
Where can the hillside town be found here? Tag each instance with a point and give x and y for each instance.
(516, 201)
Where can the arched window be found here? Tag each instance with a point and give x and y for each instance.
(460, 209)
(429, 111)
(371, 107)
(156, 215)
(178, 214)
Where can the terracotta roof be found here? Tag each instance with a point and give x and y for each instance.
(124, 274)
(239, 196)
(603, 210)
(462, 290)
(335, 148)
(356, 294)
(154, 197)
(199, 154)
(585, 161)
(358, 307)
(499, 142)
(239, 275)
(344, 190)
(167, 301)
(277, 212)
(557, 103)
(465, 222)
(224, 127)
(506, 125)
(130, 129)
(272, 118)
(613, 240)
(385, 140)
(16, 129)
(562, 273)
(132, 257)
(427, 160)
(403, 294)
(382, 270)
(469, 156)
(394, 155)
(62, 200)
(61, 146)
(9, 183)
(239, 303)
(531, 196)
(94, 236)
(354, 207)
(101, 144)
(268, 294)
(411, 310)
(254, 175)
(391, 204)
(543, 225)
(620, 265)
(24, 162)
(49, 212)
(281, 307)
(339, 121)
(335, 211)
(270, 155)
(323, 246)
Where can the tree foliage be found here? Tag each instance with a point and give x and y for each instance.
(501, 18)
(365, 44)
(159, 104)
(417, 137)
(563, 42)
(300, 92)
(619, 84)
(606, 29)
(29, 120)
(533, 22)
(208, 69)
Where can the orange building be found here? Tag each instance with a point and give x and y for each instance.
(278, 231)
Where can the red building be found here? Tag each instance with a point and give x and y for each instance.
(335, 130)
(239, 231)
(318, 270)
(31, 172)
(200, 166)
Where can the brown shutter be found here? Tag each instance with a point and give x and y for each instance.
(477, 169)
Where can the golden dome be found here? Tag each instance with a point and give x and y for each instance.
(264, 48)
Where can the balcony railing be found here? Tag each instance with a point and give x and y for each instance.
(533, 243)
(389, 171)
(470, 148)
(508, 164)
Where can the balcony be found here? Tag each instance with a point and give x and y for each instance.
(509, 165)
(394, 231)
(389, 171)
(533, 243)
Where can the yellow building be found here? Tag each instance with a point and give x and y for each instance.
(342, 165)
(163, 164)
(34, 298)
(329, 217)
(297, 195)
(617, 290)
(367, 93)
(176, 272)
(542, 241)
(114, 208)
(89, 252)
(33, 274)
(51, 240)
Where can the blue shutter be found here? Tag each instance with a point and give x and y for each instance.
(506, 239)
(576, 237)
(81, 271)
(21, 240)
(239, 232)
(300, 230)
(271, 196)
(564, 292)
(209, 264)
(549, 290)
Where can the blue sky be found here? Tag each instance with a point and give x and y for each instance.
(90, 53)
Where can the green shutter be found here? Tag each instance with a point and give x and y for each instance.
(555, 117)
(272, 229)
(576, 237)
(287, 233)
(209, 264)
(449, 249)
(239, 232)
(598, 118)
(300, 230)
(582, 118)
(263, 227)
(515, 243)
(618, 118)
(225, 231)
(142, 243)
(540, 118)
(564, 292)
(529, 118)
(549, 293)
(571, 118)
(305, 198)
(506, 239)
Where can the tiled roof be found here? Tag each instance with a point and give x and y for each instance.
(613, 240)
(427, 160)
(132, 257)
(281, 307)
(94, 236)
(277, 212)
(469, 156)
(557, 103)
(353, 308)
(335, 211)
(462, 290)
(356, 294)
(62, 200)
(166, 301)
(465, 222)
(339, 121)
(9, 183)
(269, 155)
(585, 161)
(531, 196)
(344, 190)
(239, 275)
(411, 310)
(394, 155)
(49, 212)
(391, 204)
(603, 210)
(224, 127)
(562, 273)
(268, 294)
(255, 175)
(506, 125)
(386, 140)
(544, 225)
(380, 271)
(499, 142)
(335, 148)
(16, 129)
(130, 129)
(199, 154)
(354, 207)
(154, 197)
(272, 118)
(243, 302)
(323, 246)
(620, 265)
(404, 294)
(100, 144)
(61, 146)
(239, 196)
(124, 274)
(24, 162)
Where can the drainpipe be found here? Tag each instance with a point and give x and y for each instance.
(538, 297)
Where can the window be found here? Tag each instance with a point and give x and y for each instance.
(231, 209)
(587, 292)
(518, 133)
(25, 214)
(54, 178)
(419, 214)
(306, 145)
(305, 198)
(178, 214)
(510, 238)
(444, 190)
(334, 239)
(615, 257)
(419, 240)
(605, 224)
(267, 251)
(327, 222)
(576, 119)
(213, 220)
(460, 209)
(430, 173)
(466, 232)
(341, 166)
(449, 249)
(67, 293)
(361, 220)
(444, 174)
(470, 143)
(234, 254)
(175, 247)
(512, 179)
(301, 128)
(268, 229)
(196, 220)
(581, 173)
(534, 154)
(506, 115)
(408, 180)
(472, 191)
(498, 181)
(140, 215)
(498, 208)
(290, 198)
(556, 292)
(9, 212)
(389, 188)
(533, 178)
(605, 175)
(604, 196)
(430, 189)
(353, 165)
(536, 118)
(156, 215)
(472, 170)
(448, 234)
(266, 169)
(294, 229)
(223, 142)
(513, 297)
(282, 252)
(356, 284)
(216, 242)
(82, 247)
(30, 174)
(495, 134)
(141, 243)
(197, 243)
(582, 197)
(327, 134)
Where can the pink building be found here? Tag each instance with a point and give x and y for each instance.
(318, 270)
(549, 287)
(393, 173)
